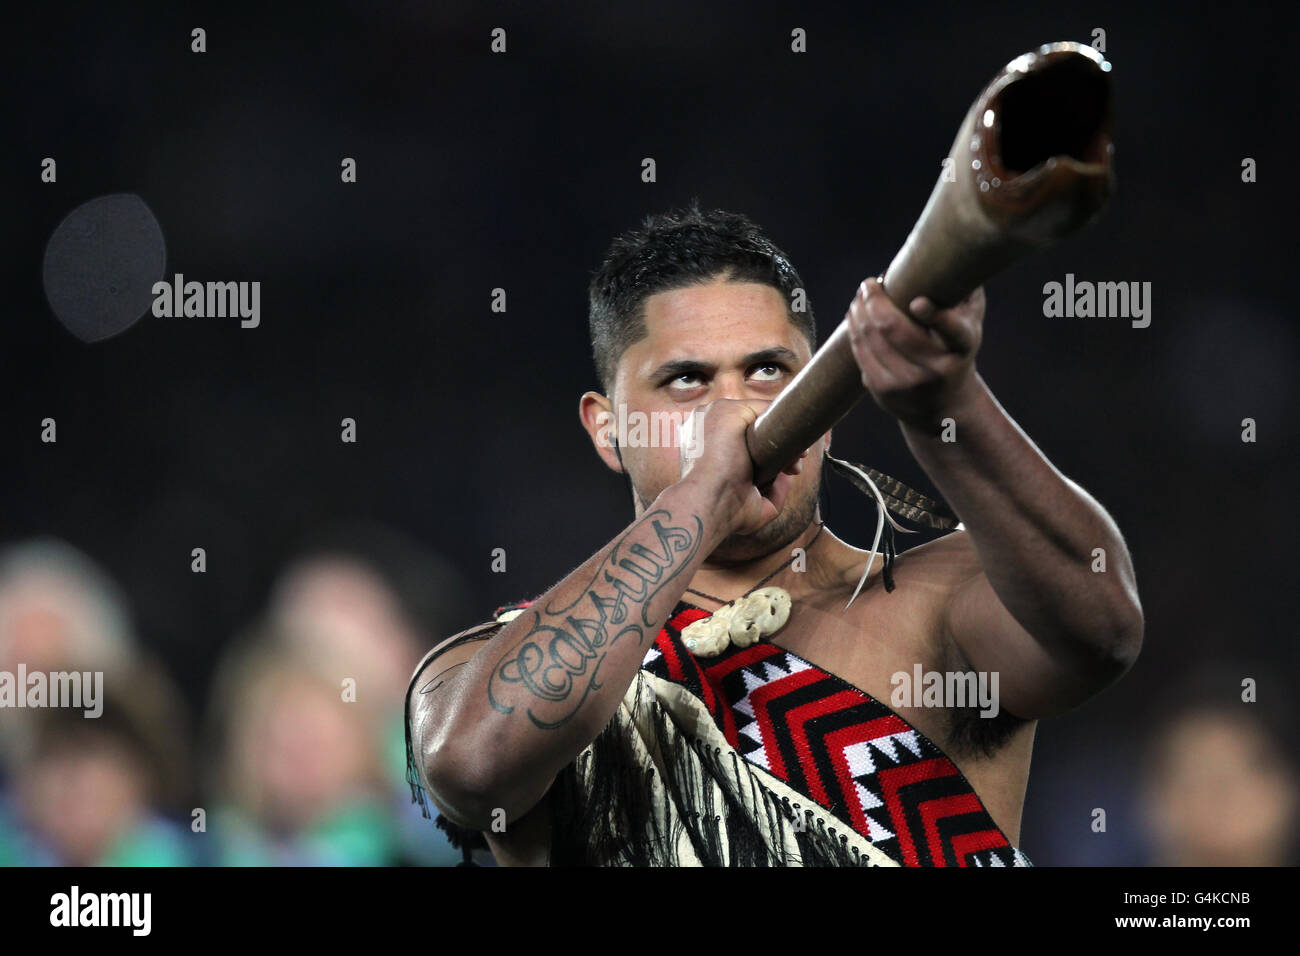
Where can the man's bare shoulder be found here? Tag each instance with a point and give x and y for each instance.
(882, 630)
(925, 576)
(951, 558)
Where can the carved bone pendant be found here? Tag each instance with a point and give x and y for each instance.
(742, 622)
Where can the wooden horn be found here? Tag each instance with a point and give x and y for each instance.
(1032, 162)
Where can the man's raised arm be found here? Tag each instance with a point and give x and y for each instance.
(1034, 608)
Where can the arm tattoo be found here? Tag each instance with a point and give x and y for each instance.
(558, 661)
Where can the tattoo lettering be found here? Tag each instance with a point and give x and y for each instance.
(558, 662)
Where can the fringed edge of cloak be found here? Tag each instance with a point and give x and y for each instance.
(617, 824)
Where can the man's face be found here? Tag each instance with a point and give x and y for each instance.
(729, 340)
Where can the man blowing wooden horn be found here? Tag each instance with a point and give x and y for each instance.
(698, 693)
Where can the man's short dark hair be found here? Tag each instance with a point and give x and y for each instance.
(673, 250)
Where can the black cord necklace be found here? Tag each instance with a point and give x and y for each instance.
(821, 525)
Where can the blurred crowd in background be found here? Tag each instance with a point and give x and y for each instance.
(299, 758)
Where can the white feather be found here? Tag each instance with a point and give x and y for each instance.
(882, 515)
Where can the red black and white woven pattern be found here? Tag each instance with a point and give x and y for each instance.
(843, 749)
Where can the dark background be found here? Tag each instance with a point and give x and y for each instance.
(478, 170)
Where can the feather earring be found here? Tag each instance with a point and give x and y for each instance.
(900, 499)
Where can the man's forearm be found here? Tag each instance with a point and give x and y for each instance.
(544, 687)
(1035, 531)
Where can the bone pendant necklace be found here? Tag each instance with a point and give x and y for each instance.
(758, 613)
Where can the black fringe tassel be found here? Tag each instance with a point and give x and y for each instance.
(467, 841)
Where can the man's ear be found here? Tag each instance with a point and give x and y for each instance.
(597, 416)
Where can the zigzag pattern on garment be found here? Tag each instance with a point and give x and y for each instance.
(843, 749)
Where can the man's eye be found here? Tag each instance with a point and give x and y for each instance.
(685, 381)
(768, 373)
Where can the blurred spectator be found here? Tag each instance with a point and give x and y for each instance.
(81, 790)
(1221, 789)
(300, 780)
(335, 613)
(365, 603)
(58, 612)
(102, 791)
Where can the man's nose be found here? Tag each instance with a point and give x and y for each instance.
(731, 386)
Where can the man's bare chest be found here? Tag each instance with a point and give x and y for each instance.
(865, 644)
